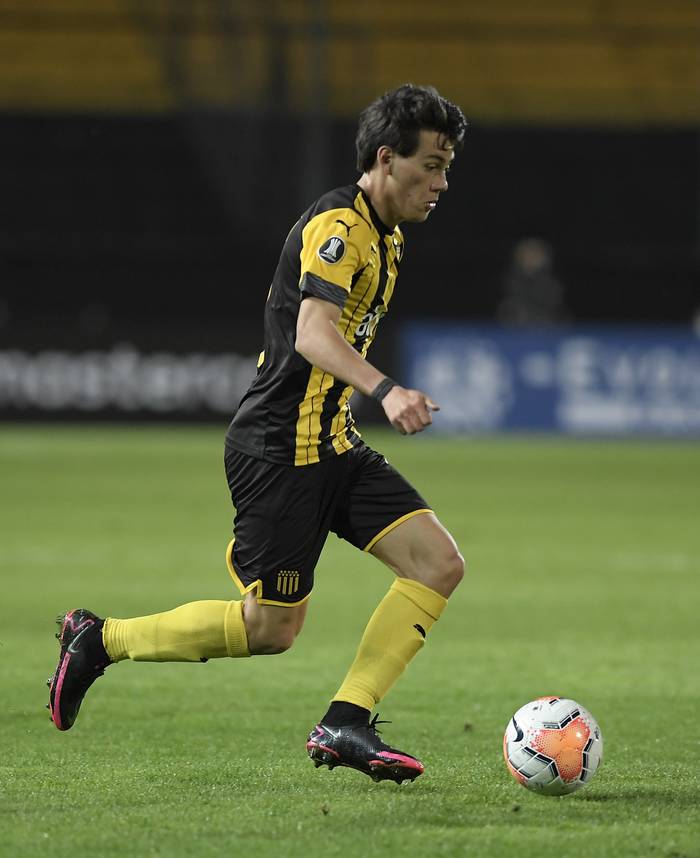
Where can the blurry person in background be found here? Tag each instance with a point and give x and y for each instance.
(298, 469)
(531, 294)
(695, 321)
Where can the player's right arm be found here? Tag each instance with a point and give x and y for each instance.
(319, 341)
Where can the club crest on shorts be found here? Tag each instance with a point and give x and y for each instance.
(287, 582)
(332, 250)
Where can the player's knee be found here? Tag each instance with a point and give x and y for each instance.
(271, 638)
(447, 571)
(453, 569)
(272, 646)
(271, 630)
(271, 641)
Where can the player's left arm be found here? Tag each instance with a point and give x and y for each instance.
(319, 341)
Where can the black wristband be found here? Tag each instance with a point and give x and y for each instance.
(381, 390)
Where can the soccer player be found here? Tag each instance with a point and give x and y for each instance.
(296, 466)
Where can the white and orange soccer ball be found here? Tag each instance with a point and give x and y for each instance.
(553, 746)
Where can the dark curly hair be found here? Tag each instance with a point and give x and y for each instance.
(396, 118)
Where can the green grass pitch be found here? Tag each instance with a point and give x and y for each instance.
(583, 580)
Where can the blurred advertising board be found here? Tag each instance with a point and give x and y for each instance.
(583, 381)
(123, 382)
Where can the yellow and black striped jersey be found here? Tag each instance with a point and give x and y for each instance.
(339, 251)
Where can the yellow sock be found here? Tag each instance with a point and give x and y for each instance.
(394, 634)
(192, 632)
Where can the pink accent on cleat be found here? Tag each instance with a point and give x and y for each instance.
(311, 745)
(388, 759)
(56, 710)
(68, 622)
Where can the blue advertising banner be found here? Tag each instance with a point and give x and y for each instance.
(612, 381)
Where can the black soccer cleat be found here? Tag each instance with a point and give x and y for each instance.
(82, 660)
(361, 748)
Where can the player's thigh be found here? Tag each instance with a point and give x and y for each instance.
(382, 513)
(377, 499)
(421, 549)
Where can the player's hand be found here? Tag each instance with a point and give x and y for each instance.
(407, 410)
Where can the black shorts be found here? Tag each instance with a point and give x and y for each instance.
(284, 514)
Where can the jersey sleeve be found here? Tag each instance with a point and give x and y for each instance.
(331, 254)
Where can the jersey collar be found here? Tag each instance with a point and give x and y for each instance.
(379, 225)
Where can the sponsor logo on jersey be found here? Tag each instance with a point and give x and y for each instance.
(368, 323)
(332, 250)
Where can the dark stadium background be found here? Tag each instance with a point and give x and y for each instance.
(154, 155)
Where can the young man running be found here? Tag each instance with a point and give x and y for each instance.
(296, 466)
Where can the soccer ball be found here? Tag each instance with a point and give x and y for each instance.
(553, 746)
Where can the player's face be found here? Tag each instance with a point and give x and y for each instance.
(416, 182)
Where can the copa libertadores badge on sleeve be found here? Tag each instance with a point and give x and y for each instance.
(332, 250)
